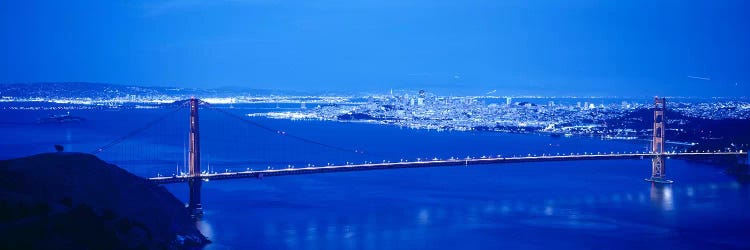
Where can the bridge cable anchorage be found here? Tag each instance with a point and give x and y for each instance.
(284, 133)
(137, 131)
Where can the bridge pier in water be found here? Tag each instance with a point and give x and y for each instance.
(740, 167)
(658, 168)
(194, 183)
(194, 204)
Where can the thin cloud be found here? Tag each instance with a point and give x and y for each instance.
(155, 8)
(700, 78)
(160, 7)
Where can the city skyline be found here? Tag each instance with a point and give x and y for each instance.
(531, 48)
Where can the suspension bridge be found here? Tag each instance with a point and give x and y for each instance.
(195, 175)
(430, 163)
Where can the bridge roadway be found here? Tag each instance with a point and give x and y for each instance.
(429, 163)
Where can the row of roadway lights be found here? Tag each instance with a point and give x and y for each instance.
(500, 156)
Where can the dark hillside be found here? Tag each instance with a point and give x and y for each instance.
(77, 201)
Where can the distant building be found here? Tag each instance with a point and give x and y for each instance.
(508, 101)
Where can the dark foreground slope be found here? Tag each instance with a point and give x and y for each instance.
(77, 201)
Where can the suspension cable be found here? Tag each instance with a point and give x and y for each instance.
(284, 133)
(138, 130)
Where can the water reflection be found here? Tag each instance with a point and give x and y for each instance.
(661, 196)
(379, 229)
(424, 217)
(204, 227)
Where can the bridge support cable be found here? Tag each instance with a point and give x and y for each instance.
(138, 130)
(285, 134)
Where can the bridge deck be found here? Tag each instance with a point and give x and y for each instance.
(429, 163)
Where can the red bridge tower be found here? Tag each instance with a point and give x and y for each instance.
(658, 170)
(194, 205)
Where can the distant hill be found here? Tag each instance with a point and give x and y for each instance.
(77, 201)
(68, 90)
(710, 134)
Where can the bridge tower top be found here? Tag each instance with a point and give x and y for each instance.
(658, 137)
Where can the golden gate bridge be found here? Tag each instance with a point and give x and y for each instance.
(195, 176)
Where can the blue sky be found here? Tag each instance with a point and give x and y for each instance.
(633, 48)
